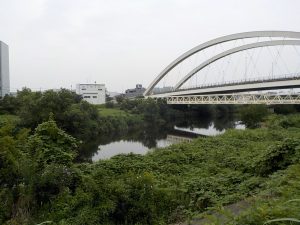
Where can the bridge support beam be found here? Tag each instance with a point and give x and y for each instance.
(266, 99)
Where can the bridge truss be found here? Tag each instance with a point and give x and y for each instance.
(235, 99)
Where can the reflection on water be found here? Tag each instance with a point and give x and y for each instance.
(115, 148)
(149, 137)
(210, 131)
(126, 147)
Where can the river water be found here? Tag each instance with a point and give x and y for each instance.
(142, 140)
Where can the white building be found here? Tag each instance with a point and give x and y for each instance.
(92, 93)
(4, 70)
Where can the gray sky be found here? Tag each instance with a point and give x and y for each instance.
(58, 43)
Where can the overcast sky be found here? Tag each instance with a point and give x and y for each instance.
(58, 43)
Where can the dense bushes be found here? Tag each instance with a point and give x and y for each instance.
(279, 156)
(252, 115)
(41, 182)
(277, 203)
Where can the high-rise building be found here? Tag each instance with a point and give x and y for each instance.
(4, 69)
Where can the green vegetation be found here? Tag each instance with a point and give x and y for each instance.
(278, 201)
(252, 115)
(105, 112)
(79, 118)
(41, 182)
(4, 119)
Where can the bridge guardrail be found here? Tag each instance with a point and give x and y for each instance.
(248, 81)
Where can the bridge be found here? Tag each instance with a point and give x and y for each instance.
(258, 67)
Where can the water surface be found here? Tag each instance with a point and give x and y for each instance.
(152, 137)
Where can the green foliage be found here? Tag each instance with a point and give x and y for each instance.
(77, 117)
(49, 144)
(252, 115)
(284, 109)
(9, 105)
(278, 157)
(276, 203)
(279, 122)
(110, 104)
(11, 165)
(107, 112)
(82, 120)
(7, 118)
(41, 183)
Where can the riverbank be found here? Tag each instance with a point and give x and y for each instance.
(164, 186)
(139, 136)
(41, 181)
(211, 171)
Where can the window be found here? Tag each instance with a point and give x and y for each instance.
(87, 97)
(99, 89)
(83, 89)
(94, 96)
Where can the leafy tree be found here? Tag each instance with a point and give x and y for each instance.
(9, 104)
(82, 120)
(49, 144)
(252, 115)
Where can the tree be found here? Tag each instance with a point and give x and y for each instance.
(9, 104)
(49, 144)
(252, 115)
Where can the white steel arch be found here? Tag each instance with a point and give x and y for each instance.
(232, 51)
(232, 37)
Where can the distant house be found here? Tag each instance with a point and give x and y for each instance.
(92, 93)
(138, 91)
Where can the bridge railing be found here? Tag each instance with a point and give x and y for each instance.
(235, 99)
(291, 76)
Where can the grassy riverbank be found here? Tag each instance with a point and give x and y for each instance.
(164, 186)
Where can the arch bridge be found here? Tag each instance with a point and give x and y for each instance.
(275, 80)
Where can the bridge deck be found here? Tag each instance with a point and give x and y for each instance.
(229, 89)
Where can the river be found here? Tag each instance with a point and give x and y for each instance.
(149, 137)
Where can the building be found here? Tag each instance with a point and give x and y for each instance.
(4, 70)
(92, 93)
(138, 91)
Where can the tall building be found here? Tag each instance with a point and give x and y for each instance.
(92, 93)
(4, 69)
